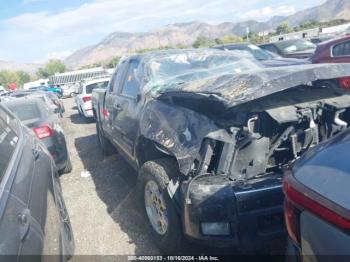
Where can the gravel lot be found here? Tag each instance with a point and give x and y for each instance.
(101, 199)
(102, 206)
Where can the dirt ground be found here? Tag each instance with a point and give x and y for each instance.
(101, 200)
(99, 194)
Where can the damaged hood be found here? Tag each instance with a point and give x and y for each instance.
(236, 88)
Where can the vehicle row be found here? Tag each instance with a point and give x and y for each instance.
(33, 154)
(34, 220)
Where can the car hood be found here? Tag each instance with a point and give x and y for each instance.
(233, 89)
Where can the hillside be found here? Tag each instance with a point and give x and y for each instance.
(30, 68)
(119, 43)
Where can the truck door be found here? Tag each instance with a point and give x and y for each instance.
(110, 111)
(126, 102)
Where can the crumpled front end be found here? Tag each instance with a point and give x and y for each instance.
(232, 148)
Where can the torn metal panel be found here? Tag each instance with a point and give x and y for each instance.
(178, 129)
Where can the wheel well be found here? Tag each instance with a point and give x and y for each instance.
(147, 150)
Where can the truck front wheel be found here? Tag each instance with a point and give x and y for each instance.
(158, 208)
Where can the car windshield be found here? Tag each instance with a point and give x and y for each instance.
(259, 53)
(186, 67)
(295, 46)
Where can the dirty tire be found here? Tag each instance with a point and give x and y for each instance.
(68, 167)
(160, 171)
(106, 146)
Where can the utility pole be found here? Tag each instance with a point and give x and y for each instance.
(247, 30)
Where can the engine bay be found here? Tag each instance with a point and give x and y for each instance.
(270, 133)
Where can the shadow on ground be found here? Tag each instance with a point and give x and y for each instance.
(115, 183)
(78, 119)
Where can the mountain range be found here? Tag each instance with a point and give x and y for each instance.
(30, 68)
(120, 43)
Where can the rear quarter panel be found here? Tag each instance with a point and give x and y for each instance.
(319, 239)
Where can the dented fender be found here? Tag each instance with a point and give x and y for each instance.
(179, 130)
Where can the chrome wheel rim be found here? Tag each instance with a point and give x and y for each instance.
(156, 208)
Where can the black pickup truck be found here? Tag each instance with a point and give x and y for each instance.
(210, 133)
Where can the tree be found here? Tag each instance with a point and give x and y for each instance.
(113, 62)
(203, 41)
(283, 28)
(218, 41)
(17, 77)
(52, 67)
(23, 77)
(231, 39)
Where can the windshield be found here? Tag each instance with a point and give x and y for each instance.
(295, 46)
(259, 53)
(186, 67)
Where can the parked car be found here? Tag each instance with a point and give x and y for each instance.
(333, 51)
(55, 89)
(69, 90)
(210, 134)
(322, 38)
(34, 221)
(317, 203)
(263, 56)
(83, 98)
(51, 99)
(295, 48)
(36, 115)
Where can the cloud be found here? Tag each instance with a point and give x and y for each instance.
(31, 36)
(58, 55)
(265, 13)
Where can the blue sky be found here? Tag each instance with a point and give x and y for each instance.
(37, 30)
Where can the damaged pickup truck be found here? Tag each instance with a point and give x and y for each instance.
(210, 133)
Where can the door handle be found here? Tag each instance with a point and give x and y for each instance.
(24, 223)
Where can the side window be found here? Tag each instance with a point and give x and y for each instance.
(89, 88)
(131, 84)
(338, 50)
(347, 48)
(8, 142)
(112, 82)
(102, 84)
(118, 77)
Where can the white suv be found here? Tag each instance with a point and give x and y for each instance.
(83, 98)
